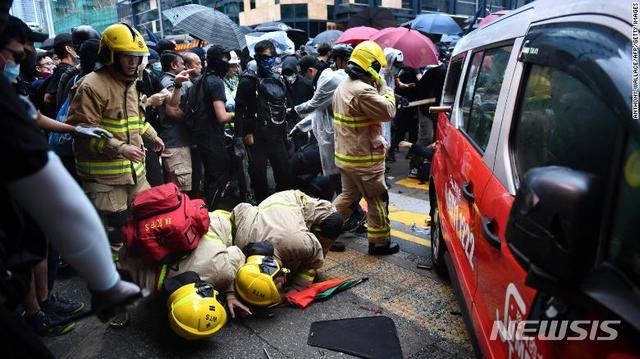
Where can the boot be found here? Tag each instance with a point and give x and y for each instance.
(390, 248)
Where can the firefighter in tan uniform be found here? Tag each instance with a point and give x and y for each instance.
(113, 170)
(299, 231)
(360, 104)
(216, 260)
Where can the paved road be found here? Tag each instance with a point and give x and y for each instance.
(422, 306)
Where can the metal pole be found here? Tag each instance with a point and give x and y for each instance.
(159, 2)
(49, 18)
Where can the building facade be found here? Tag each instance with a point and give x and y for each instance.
(68, 14)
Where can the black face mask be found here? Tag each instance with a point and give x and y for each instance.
(219, 67)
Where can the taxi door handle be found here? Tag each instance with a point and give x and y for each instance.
(488, 234)
(467, 192)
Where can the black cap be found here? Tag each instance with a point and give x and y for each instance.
(290, 63)
(64, 38)
(82, 33)
(29, 34)
(165, 45)
(307, 62)
(217, 52)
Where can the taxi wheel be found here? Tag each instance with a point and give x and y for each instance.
(437, 246)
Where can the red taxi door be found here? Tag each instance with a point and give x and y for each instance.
(462, 176)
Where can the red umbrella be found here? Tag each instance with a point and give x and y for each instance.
(356, 35)
(493, 17)
(417, 49)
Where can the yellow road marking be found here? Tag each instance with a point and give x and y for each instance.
(410, 238)
(409, 218)
(412, 183)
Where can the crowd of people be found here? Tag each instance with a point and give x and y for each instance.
(123, 116)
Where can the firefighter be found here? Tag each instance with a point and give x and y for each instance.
(215, 260)
(113, 170)
(360, 104)
(299, 229)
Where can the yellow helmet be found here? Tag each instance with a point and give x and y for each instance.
(370, 57)
(123, 39)
(255, 281)
(194, 312)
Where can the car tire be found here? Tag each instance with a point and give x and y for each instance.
(438, 247)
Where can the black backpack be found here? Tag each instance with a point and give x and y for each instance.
(271, 94)
(193, 103)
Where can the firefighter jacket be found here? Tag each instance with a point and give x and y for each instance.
(109, 100)
(358, 111)
(215, 259)
(285, 219)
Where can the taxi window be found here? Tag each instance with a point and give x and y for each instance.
(562, 122)
(453, 78)
(481, 94)
(624, 248)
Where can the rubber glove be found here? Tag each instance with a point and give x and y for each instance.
(92, 132)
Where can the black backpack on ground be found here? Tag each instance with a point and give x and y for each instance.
(271, 94)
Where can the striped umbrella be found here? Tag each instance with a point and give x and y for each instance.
(207, 24)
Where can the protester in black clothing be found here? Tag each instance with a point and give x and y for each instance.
(79, 35)
(430, 86)
(261, 111)
(205, 107)
(63, 47)
(299, 90)
(151, 87)
(406, 121)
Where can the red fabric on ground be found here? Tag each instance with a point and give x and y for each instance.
(303, 298)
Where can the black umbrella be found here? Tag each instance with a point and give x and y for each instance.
(299, 37)
(272, 26)
(207, 24)
(375, 17)
(328, 36)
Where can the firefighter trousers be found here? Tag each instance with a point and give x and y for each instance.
(372, 187)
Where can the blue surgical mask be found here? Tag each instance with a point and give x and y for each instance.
(11, 71)
(157, 68)
(265, 64)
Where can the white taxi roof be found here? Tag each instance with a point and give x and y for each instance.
(517, 22)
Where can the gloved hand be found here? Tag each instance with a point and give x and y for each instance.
(107, 304)
(238, 147)
(92, 132)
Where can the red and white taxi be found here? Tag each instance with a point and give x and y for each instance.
(535, 184)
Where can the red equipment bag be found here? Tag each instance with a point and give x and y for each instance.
(166, 224)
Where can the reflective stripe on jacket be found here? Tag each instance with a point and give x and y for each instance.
(358, 111)
(108, 100)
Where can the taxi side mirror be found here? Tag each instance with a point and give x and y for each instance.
(554, 226)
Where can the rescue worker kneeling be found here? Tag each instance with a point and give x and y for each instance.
(293, 228)
(214, 263)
